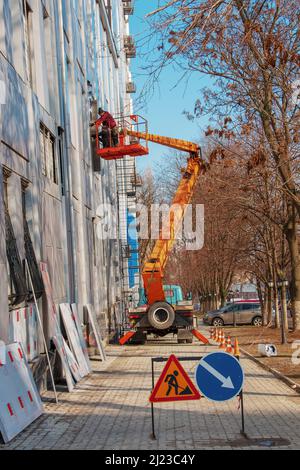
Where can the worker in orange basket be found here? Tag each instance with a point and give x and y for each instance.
(109, 134)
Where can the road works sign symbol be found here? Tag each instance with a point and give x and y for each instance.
(174, 384)
(219, 376)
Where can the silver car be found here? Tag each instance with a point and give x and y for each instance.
(242, 313)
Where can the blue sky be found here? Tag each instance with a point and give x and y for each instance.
(164, 110)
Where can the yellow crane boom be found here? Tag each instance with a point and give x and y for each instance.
(178, 144)
(153, 269)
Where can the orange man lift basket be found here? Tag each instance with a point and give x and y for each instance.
(128, 145)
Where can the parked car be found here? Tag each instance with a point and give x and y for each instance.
(246, 313)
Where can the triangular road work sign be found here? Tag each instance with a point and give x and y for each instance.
(174, 384)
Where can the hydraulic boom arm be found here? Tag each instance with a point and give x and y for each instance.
(183, 145)
(153, 269)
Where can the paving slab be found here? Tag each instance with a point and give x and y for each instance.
(110, 409)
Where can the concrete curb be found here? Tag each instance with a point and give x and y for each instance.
(293, 385)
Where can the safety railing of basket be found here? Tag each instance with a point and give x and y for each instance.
(133, 122)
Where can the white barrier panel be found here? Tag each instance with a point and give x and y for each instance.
(18, 327)
(81, 337)
(73, 338)
(74, 367)
(96, 331)
(32, 337)
(57, 335)
(20, 403)
(63, 357)
(2, 352)
(23, 329)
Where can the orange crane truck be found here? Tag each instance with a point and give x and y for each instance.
(158, 315)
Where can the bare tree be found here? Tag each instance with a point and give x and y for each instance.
(253, 51)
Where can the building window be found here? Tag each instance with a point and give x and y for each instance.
(17, 288)
(48, 154)
(27, 13)
(30, 253)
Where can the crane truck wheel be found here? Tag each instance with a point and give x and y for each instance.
(161, 315)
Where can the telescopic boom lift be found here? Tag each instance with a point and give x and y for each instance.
(153, 269)
(161, 316)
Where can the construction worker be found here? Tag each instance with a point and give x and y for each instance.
(109, 133)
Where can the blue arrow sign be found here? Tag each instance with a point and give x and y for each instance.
(219, 376)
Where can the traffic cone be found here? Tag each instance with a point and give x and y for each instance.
(236, 350)
(228, 345)
(216, 335)
(223, 342)
(211, 333)
(219, 337)
(222, 336)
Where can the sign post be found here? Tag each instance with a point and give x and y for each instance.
(219, 377)
(242, 414)
(174, 384)
(152, 406)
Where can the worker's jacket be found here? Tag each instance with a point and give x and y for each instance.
(106, 120)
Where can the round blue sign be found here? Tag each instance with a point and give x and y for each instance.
(219, 376)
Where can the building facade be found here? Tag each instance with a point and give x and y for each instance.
(59, 61)
(127, 182)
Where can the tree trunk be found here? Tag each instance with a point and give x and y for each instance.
(291, 235)
(260, 295)
(269, 309)
(276, 306)
(222, 298)
(265, 308)
(284, 308)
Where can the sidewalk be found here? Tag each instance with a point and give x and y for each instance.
(249, 337)
(110, 409)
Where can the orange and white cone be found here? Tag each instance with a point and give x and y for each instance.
(223, 342)
(215, 337)
(236, 350)
(211, 333)
(228, 345)
(220, 336)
